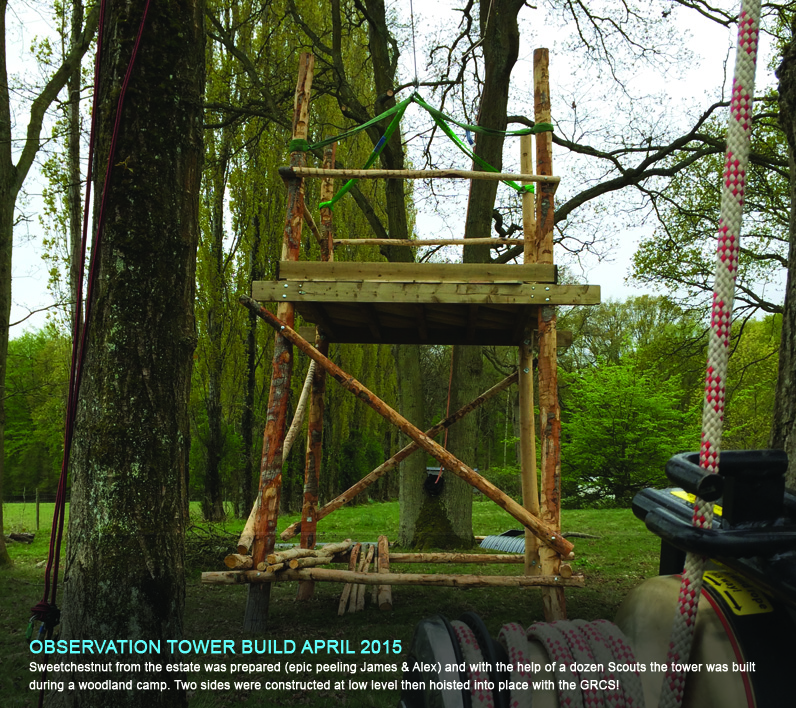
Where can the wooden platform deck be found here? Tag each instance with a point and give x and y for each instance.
(421, 303)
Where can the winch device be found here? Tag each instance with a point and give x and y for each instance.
(743, 649)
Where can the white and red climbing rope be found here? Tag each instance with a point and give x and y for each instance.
(739, 132)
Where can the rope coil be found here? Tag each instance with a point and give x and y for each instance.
(577, 648)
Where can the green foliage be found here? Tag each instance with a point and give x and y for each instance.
(622, 426)
(752, 383)
(507, 479)
(36, 386)
(680, 255)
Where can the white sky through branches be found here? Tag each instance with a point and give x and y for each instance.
(585, 107)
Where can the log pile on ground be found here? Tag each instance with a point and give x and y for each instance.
(20, 537)
(292, 558)
(301, 564)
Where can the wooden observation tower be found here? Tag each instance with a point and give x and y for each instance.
(416, 303)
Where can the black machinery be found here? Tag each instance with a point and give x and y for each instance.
(746, 620)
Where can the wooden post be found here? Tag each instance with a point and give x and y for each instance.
(384, 596)
(530, 487)
(37, 509)
(364, 568)
(546, 534)
(352, 566)
(399, 456)
(237, 561)
(312, 466)
(327, 192)
(447, 580)
(256, 617)
(528, 203)
(549, 414)
(298, 416)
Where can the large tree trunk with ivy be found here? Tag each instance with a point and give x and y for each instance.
(128, 513)
(783, 431)
(501, 46)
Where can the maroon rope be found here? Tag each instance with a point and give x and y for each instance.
(46, 610)
(56, 534)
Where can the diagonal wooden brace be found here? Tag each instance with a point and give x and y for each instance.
(547, 535)
(398, 457)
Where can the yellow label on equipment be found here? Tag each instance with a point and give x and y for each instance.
(690, 498)
(742, 596)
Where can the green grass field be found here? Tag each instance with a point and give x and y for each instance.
(623, 555)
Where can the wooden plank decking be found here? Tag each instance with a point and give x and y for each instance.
(424, 303)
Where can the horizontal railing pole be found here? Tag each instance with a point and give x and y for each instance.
(287, 173)
(421, 242)
(233, 577)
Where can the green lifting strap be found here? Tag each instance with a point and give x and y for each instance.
(441, 119)
(304, 146)
(373, 155)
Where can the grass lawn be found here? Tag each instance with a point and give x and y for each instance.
(623, 555)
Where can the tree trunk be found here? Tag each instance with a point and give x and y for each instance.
(73, 192)
(783, 430)
(455, 503)
(6, 240)
(11, 178)
(213, 505)
(407, 357)
(412, 471)
(127, 519)
(501, 46)
(7, 175)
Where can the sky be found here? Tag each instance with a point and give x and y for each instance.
(691, 88)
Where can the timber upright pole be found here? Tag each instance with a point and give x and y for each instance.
(549, 414)
(530, 487)
(256, 618)
(312, 467)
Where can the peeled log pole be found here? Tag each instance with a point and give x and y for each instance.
(236, 561)
(287, 173)
(399, 456)
(352, 564)
(546, 534)
(550, 417)
(384, 592)
(328, 549)
(309, 562)
(234, 577)
(312, 465)
(327, 193)
(247, 535)
(256, 616)
(456, 558)
(298, 416)
(361, 588)
(530, 486)
(342, 556)
(420, 242)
